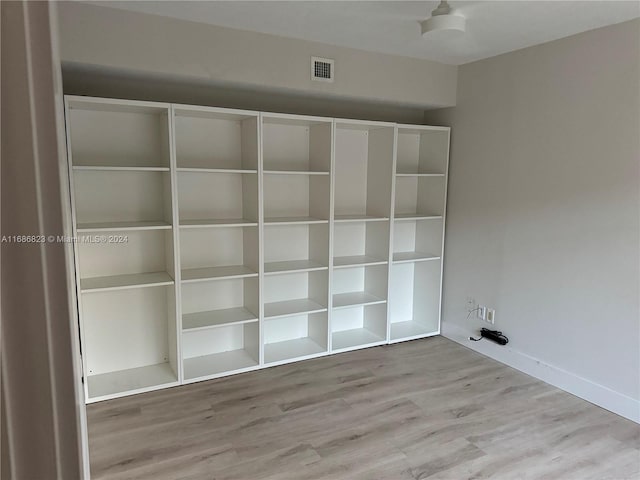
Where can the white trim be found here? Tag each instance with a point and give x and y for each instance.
(569, 382)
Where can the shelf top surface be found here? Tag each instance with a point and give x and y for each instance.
(114, 226)
(213, 273)
(224, 222)
(354, 299)
(114, 282)
(217, 318)
(292, 307)
(293, 266)
(293, 220)
(357, 261)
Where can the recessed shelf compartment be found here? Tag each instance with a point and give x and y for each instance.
(129, 339)
(219, 303)
(295, 337)
(419, 197)
(363, 171)
(296, 198)
(210, 140)
(419, 240)
(359, 286)
(218, 253)
(357, 327)
(293, 143)
(289, 248)
(360, 243)
(139, 258)
(122, 196)
(414, 299)
(220, 350)
(293, 294)
(118, 134)
(422, 150)
(217, 199)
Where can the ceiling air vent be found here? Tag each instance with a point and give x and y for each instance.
(322, 69)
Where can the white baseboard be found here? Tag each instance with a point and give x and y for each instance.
(581, 387)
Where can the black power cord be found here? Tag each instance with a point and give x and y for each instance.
(494, 335)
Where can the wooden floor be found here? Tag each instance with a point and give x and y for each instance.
(425, 409)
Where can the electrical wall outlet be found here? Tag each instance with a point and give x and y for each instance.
(482, 312)
(491, 316)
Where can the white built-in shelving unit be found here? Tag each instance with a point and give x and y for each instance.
(215, 241)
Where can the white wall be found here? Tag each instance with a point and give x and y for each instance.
(543, 211)
(128, 41)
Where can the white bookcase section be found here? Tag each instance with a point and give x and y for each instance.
(232, 240)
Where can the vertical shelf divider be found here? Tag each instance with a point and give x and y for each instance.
(177, 274)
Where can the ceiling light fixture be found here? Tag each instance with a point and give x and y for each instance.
(442, 18)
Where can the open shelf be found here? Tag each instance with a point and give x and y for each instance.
(363, 171)
(132, 280)
(215, 363)
(218, 253)
(401, 257)
(214, 170)
(419, 240)
(358, 218)
(129, 340)
(291, 294)
(360, 286)
(288, 308)
(407, 217)
(353, 299)
(217, 199)
(219, 350)
(296, 198)
(118, 135)
(414, 299)
(411, 328)
(357, 261)
(294, 172)
(355, 338)
(219, 302)
(131, 380)
(299, 247)
(358, 326)
(360, 243)
(216, 140)
(293, 220)
(422, 150)
(419, 197)
(139, 258)
(121, 226)
(119, 169)
(290, 266)
(291, 338)
(217, 318)
(128, 197)
(210, 273)
(293, 143)
(227, 222)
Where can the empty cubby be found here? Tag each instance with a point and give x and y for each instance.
(422, 151)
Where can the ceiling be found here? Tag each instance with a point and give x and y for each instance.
(493, 27)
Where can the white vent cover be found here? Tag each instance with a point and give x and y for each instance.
(322, 69)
